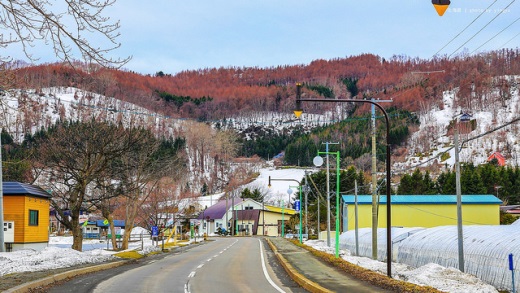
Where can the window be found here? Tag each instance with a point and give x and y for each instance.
(33, 218)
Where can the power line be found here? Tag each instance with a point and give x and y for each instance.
(502, 11)
(465, 27)
(509, 40)
(496, 35)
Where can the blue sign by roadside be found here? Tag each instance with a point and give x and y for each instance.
(511, 262)
(155, 231)
(297, 205)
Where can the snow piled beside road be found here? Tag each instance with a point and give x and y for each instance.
(57, 256)
(29, 260)
(445, 279)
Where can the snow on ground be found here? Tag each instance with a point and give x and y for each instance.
(278, 189)
(52, 257)
(60, 255)
(49, 258)
(445, 279)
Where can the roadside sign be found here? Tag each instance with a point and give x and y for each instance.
(155, 231)
(297, 205)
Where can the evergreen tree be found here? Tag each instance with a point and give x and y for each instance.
(254, 194)
(406, 185)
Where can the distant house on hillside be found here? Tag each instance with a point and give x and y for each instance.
(465, 117)
(498, 156)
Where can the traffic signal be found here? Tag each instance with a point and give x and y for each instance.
(441, 6)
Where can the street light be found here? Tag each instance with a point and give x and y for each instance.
(289, 191)
(317, 161)
(298, 112)
(441, 6)
(460, 233)
(497, 187)
(300, 210)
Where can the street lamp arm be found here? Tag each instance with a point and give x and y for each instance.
(274, 179)
(298, 111)
(352, 101)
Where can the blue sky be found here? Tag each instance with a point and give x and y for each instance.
(172, 36)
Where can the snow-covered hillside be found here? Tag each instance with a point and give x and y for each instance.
(432, 143)
(493, 132)
(28, 111)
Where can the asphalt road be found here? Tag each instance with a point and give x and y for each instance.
(223, 265)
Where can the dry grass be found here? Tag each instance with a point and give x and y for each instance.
(369, 276)
(131, 254)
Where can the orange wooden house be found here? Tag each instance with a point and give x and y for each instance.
(26, 216)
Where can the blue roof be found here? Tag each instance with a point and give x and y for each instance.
(17, 188)
(117, 223)
(426, 199)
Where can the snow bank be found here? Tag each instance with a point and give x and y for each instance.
(433, 275)
(49, 258)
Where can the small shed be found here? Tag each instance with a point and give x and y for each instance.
(512, 210)
(499, 157)
(425, 210)
(27, 207)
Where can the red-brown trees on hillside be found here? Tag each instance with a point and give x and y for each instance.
(236, 89)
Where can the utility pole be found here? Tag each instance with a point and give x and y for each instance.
(306, 203)
(459, 201)
(374, 180)
(356, 218)
(227, 211)
(2, 241)
(232, 213)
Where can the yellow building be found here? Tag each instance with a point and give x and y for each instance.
(271, 218)
(26, 216)
(424, 210)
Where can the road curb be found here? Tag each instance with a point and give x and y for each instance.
(295, 275)
(26, 287)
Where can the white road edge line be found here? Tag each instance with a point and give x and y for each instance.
(191, 275)
(265, 269)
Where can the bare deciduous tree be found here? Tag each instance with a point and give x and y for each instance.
(75, 154)
(70, 27)
(141, 169)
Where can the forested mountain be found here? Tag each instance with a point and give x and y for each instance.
(257, 104)
(219, 93)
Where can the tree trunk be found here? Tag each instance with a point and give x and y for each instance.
(113, 236)
(133, 204)
(77, 232)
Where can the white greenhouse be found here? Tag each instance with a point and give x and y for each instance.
(486, 249)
